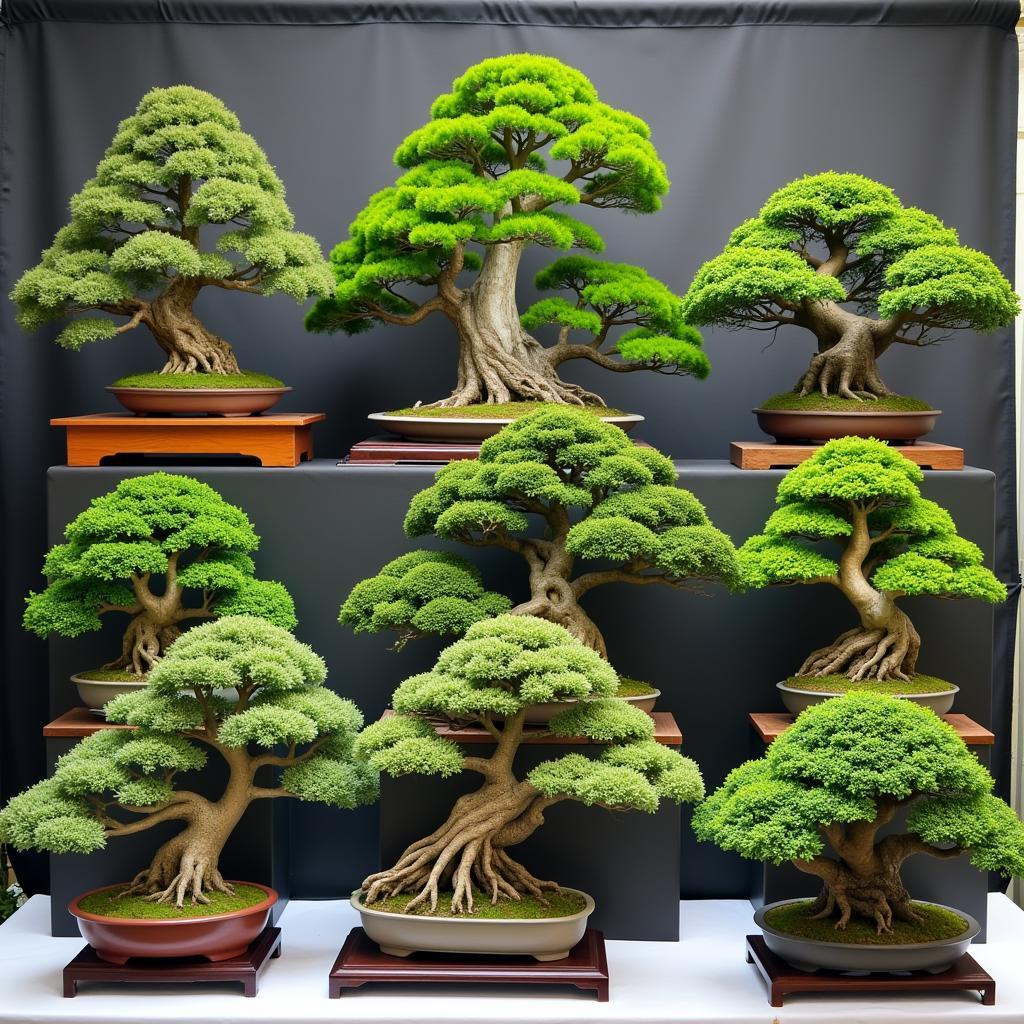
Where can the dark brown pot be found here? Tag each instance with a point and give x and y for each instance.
(198, 401)
(118, 939)
(464, 429)
(793, 425)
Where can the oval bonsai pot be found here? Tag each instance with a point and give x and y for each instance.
(797, 700)
(541, 714)
(464, 429)
(813, 954)
(799, 425)
(548, 938)
(198, 401)
(220, 937)
(94, 693)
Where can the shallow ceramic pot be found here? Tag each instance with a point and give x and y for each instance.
(94, 693)
(464, 429)
(812, 954)
(117, 939)
(797, 425)
(549, 938)
(541, 714)
(797, 700)
(198, 401)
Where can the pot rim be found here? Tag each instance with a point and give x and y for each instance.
(256, 908)
(973, 928)
(952, 692)
(862, 413)
(75, 677)
(387, 417)
(655, 692)
(206, 392)
(357, 902)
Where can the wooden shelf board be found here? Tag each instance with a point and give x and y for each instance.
(778, 455)
(771, 724)
(78, 722)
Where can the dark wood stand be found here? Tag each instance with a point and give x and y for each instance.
(771, 724)
(776, 455)
(385, 450)
(783, 980)
(247, 968)
(360, 961)
(284, 439)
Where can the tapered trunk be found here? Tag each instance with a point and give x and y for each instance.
(145, 640)
(190, 346)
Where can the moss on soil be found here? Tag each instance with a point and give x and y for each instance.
(815, 402)
(897, 687)
(633, 688)
(529, 908)
(108, 903)
(197, 380)
(508, 410)
(110, 675)
(938, 923)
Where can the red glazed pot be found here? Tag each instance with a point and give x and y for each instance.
(118, 939)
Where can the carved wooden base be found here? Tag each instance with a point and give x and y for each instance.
(783, 980)
(247, 968)
(775, 455)
(361, 961)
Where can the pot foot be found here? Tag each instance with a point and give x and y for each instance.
(396, 951)
(806, 968)
(111, 958)
(215, 958)
(546, 957)
(939, 970)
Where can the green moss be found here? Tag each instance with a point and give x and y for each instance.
(110, 675)
(633, 688)
(896, 687)
(938, 923)
(506, 410)
(559, 904)
(109, 903)
(815, 402)
(197, 380)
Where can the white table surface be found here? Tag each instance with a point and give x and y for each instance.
(702, 978)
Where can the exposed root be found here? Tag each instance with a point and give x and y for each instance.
(859, 654)
(847, 369)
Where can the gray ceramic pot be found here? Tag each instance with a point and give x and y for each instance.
(812, 955)
(94, 693)
(541, 714)
(797, 425)
(797, 700)
(464, 429)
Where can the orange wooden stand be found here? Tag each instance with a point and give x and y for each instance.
(285, 439)
(774, 455)
(771, 724)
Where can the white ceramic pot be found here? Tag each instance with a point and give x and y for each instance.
(797, 700)
(94, 693)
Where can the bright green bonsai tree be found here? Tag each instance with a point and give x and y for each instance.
(863, 496)
(556, 486)
(120, 782)
(132, 249)
(836, 778)
(163, 549)
(491, 677)
(839, 255)
(479, 187)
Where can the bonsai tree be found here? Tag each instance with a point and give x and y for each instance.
(555, 486)
(120, 782)
(132, 250)
(490, 677)
(836, 778)
(517, 138)
(863, 496)
(163, 549)
(839, 255)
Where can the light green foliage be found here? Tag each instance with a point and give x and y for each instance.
(179, 163)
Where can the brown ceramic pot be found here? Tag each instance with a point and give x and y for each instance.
(465, 429)
(118, 939)
(198, 401)
(795, 425)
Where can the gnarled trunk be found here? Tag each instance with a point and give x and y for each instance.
(885, 649)
(190, 346)
(876, 893)
(847, 349)
(145, 641)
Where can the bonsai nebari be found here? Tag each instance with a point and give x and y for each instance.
(479, 187)
(836, 778)
(163, 549)
(863, 496)
(490, 677)
(120, 782)
(132, 249)
(839, 255)
(556, 486)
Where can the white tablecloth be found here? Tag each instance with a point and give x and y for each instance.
(702, 978)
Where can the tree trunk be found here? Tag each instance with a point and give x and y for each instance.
(877, 894)
(190, 347)
(881, 648)
(145, 641)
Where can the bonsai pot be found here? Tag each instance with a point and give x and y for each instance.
(549, 938)
(198, 401)
(800, 425)
(797, 700)
(541, 714)
(219, 937)
(813, 954)
(94, 693)
(464, 429)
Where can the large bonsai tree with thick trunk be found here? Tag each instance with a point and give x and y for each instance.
(863, 496)
(555, 487)
(120, 782)
(839, 255)
(516, 138)
(132, 249)
(165, 550)
(837, 778)
(490, 677)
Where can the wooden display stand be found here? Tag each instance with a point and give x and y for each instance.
(247, 968)
(361, 961)
(387, 450)
(770, 725)
(776, 455)
(284, 439)
(783, 980)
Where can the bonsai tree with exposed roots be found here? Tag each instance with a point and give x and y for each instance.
(555, 486)
(517, 138)
(490, 677)
(842, 257)
(120, 782)
(863, 496)
(132, 251)
(165, 550)
(836, 778)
